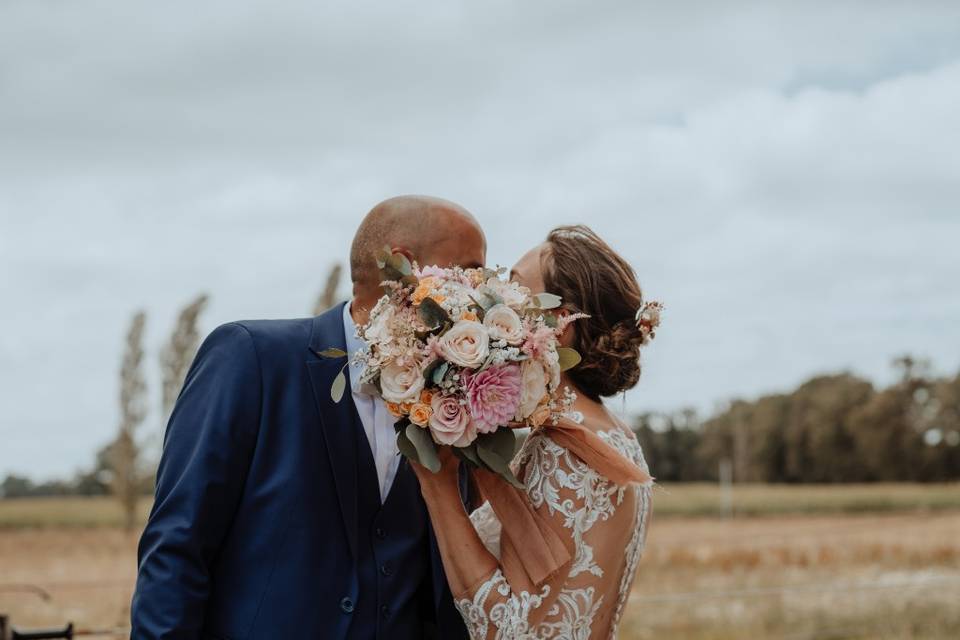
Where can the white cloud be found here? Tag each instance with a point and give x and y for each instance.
(784, 177)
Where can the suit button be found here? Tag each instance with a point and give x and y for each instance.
(380, 532)
(387, 569)
(346, 605)
(385, 611)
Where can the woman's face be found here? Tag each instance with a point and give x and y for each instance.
(528, 272)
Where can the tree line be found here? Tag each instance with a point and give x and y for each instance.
(830, 429)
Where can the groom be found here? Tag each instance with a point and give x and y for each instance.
(280, 513)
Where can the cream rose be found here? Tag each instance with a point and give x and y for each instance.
(533, 386)
(401, 383)
(503, 323)
(378, 330)
(466, 344)
(513, 294)
(450, 420)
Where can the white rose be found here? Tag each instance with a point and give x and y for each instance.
(378, 330)
(503, 323)
(401, 383)
(466, 344)
(551, 360)
(512, 293)
(533, 386)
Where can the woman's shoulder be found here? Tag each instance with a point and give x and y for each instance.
(614, 433)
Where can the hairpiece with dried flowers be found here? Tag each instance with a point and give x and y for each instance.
(648, 319)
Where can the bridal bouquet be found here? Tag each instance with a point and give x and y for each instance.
(461, 357)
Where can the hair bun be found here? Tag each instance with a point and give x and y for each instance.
(614, 362)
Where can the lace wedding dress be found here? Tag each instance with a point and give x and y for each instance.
(607, 525)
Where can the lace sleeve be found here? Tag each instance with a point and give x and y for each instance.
(584, 507)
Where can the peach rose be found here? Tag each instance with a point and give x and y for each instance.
(420, 414)
(538, 417)
(424, 287)
(533, 386)
(398, 410)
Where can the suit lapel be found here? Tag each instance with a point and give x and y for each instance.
(337, 418)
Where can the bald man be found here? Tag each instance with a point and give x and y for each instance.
(280, 513)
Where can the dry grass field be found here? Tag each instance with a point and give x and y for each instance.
(801, 570)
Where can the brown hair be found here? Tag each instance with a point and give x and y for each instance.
(593, 279)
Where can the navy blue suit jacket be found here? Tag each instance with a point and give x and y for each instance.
(252, 534)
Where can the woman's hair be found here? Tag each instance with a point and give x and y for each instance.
(592, 278)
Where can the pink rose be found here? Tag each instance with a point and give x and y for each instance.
(450, 420)
(493, 396)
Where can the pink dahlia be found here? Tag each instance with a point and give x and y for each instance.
(493, 396)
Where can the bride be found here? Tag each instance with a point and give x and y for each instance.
(600, 524)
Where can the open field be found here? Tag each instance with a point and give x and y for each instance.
(671, 500)
(893, 574)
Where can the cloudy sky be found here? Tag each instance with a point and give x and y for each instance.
(786, 177)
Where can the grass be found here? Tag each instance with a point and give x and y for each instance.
(63, 513)
(696, 499)
(671, 500)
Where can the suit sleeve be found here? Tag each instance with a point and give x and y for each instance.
(207, 450)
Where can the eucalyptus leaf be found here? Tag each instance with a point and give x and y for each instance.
(406, 447)
(338, 387)
(468, 453)
(439, 372)
(432, 314)
(382, 255)
(569, 358)
(503, 442)
(547, 300)
(495, 463)
(550, 320)
(332, 352)
(399, 263)
(426, 449)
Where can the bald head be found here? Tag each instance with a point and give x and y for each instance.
(429, 230)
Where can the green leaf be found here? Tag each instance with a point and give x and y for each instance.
(399, 263)
(405, 446)
(432, 314)
(569, 358)
(424, 445)
(332, 352)
(382, 256)
(439, 372)
(547, 300)
(338, 387)
(550, 320)
(401, 424)
(492, 449)
(503, 442)
(468, 453)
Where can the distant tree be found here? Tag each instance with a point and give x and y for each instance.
(670, 442)
(177, 355)
(328, 297)
(125, 449)
(14, 486)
